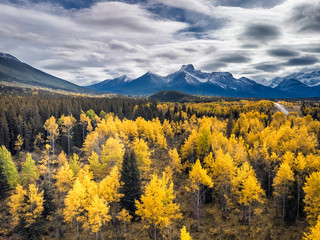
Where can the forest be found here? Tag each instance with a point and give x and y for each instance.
(76, 167)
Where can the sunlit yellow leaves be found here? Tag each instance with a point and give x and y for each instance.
(124, 216)
(184, 235)
(112, 154)
(84, 204)
(251, 191)
(157, 205)
(283, 180)
(65, 178)
(312, 198)
(198, 175)
(26, 204)
(143, 154)
(175, 160)
(16, 204)
(108, 187)
(97, 214)
(314, 232)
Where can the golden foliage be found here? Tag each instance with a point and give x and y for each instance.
(184, 235)
(312, 198)
(157, 205)
(26, 204)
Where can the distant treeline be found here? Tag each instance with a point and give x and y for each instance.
(25, 112)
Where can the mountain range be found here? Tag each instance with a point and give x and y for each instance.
(192, 81)
(187, 80)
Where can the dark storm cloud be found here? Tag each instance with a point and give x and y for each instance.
(234, 58)
(306, 17)
(282, 52)
(249, 3)
(261, 32)
(267, 67)
(307, 60)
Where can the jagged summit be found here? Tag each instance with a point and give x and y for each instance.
(188, 68)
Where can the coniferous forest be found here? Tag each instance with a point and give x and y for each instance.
(76, 167)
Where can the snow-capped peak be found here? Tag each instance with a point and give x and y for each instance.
(125, 78)
(188, 68)
(8, 56)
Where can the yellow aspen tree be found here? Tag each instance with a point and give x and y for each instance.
(204, 138)
(246, 189)
(52, 128)
(314, 233)
(74, 208)
(62, 158)
(67, 123)
(75, 164)
(159, 134)
(251, 194)
(91, 143)
(157, 208)
(34, 205)
(300, 166)
(312, 197)
(237, 150)
(65, 178)
(109, 186)
(26, 205)
(97, 215)
(184, 235)
(112, 154)
(95, 165)
(313, 163)
(222, 172)
(142, 154)
(189, 149)
(175, 160)
(84, 205)
(198, 179)
(270, 161)
(168, 129)
(16, 205)
(29, 171)
(85, 121)
(282, 183)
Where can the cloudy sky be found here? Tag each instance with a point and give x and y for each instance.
(86, 41)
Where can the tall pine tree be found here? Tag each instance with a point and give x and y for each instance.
(130, 177)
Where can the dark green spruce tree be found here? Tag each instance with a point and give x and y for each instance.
(131, 188)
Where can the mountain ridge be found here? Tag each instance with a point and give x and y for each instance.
(16, 73)
(187, 80)
(191, 81)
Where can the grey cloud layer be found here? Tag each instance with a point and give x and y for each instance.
(104, 39)
(261, 32)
